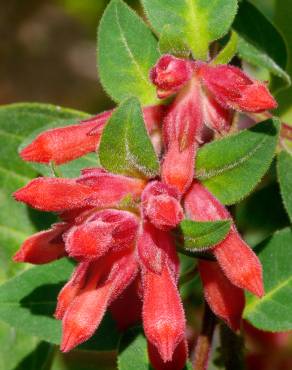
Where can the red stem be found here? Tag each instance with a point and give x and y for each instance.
(204, 341)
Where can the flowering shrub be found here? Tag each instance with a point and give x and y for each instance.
(191, 135)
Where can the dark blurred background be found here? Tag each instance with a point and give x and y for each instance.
(48, 50)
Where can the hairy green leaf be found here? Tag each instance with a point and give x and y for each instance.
(199, 21)
(199, 235)
(285, 179)
(231, 167)
(126, 51)
(251, 214)
(260, 42)
(273, 311)
(133, 351)
(283, 20)
(19, 351)
(125, 145)
(172, 42)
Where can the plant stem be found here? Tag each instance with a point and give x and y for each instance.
(204, 342)
(55, 169)
(188, 276)
(232, 346)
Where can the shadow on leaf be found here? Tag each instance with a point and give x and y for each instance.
(42, 300)
(38, 359)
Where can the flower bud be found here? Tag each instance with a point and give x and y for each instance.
(161, 205)
(60, 145)
(225, 300)
(43, 247)
(170, 74)
(234, 89)
(163, 314)
(100, 232)
(54, 194)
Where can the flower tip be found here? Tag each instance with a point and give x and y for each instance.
(32, 153)
(68, 342)
(25, 194)
(167, 348)
(18, 257)
(234, 323)
(257, 287)
(59, 314)
(19, 195)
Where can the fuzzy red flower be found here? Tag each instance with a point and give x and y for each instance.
(127, 257)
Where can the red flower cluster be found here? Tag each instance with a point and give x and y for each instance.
(127, 260)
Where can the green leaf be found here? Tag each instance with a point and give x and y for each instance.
(125, 145)
(259, 58)
(273, 311)
(228, 52)
(199, 21)
(283, 20)
(28, 301)
(19, 351)
(171, 42)
(199, 235)
(133, 353)
(285, 178)
(126, 51)
(251, 214)
(231, 167)
(260, 42)
(17, 121)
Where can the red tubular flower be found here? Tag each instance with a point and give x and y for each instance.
(156, 249)
(64, 144)
(163, 314)
(225, 299)
(127, 308)
(105, 280)
(161, 205)
(109, 188)
(239, 263)
(182, 125)
(57, 194)
(126, 254)
(221, 89)
(43, 247)
(234, 89)
(72, 289)
(100, 232)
